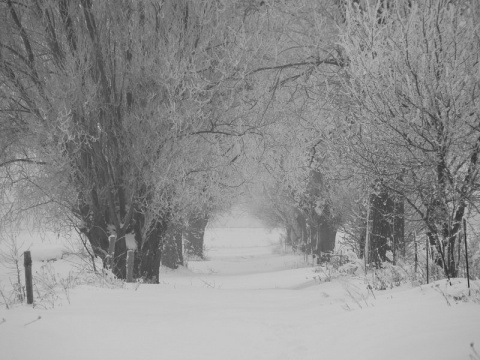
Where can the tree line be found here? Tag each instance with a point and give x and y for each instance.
(144, 119)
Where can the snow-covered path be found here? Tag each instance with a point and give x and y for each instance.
(245, 303)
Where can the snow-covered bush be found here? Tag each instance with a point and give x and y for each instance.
(47, 287)
(339, 264)
(51, 288)
(354, 266)
(55, 273)
(388, 276)
(11, 260)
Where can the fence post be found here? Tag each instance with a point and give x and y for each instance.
(466, 253)
(459, 252)
(27, 262)
(111, 250)
(130, 257)
(416, 252)
(427, 245)
(366, 250)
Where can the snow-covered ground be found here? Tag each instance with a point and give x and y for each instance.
(248, 301)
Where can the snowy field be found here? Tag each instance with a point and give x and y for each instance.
(247, 301)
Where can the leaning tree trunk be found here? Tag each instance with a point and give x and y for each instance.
(194, 236)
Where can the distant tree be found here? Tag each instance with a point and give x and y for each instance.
(305, 70)
(303, 191)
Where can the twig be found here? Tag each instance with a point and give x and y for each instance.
(364, 300)
(208, 284)
(31, 322)
(476, 355)
(5, 300)
(369, 287)
(444, 295)
(354, 298)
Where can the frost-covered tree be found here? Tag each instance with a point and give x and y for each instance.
(113, 109)
(411, 98)
(302, 71)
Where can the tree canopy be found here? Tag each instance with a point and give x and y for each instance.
(142, 119)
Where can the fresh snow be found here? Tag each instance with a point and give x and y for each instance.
(248, 301)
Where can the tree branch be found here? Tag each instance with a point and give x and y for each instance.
(318, 62)
(25, 160)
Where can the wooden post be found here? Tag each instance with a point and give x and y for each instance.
(27, 262)
(130, 257)
(112, 239)
(304, 246)
(366, 250)
(394, 251)
(416, 256)
(183, 247)
(459, 252)
(394, 244)
(466, 253)
(427, 245)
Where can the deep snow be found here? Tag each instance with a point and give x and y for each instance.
(248, 301)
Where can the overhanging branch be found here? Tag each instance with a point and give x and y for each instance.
(25, 160)
(317, 62)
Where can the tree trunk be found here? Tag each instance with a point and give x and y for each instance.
(326, 237)
(327, 231)
(435, 252)
(96, 228)
(445, 248)
(382, 213)
(120, 258)
(288, 235)
(97, 235)
(398, 236)
(301, 224)
(194, 236)
(148, 254)
(452, 269)
(172, 255)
